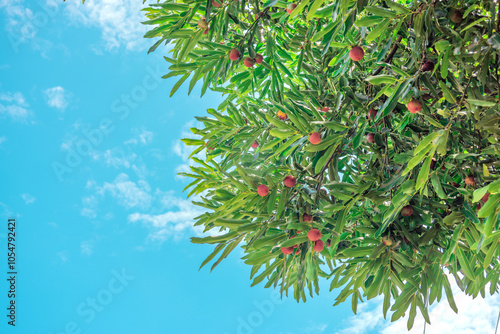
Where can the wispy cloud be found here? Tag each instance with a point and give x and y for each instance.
(57, 97)
(118, 20)
(142, 136)
(28, 198)
(14, 106)
(87, 247)
(115, 158)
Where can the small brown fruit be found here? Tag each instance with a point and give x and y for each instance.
(370, 138)
(202, 23)
(287, 250)
(249, 62)
(290, 8)
(289, 181)
(388, 241)
(407, 211)
(371, 114)
(414, 106)
(427, 66)
(259, 58)
(325, 109)
(262, 190)
(281, 115)
(307, 218)
(319, 246)
(357, 53)
(456, 16)
(315, 138)
(234, 54)
(469, 180)
(314, 234)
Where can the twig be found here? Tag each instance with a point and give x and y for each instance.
(390, 56)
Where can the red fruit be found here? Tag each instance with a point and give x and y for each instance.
(249, 62)
(314, 234)
(297, 252)
(202, 23)
(328, 242)
(325, 109)
(357, 53)
(407, 211)
(469, 180)
(427, 66)
(262, 190)
(234, 54)
(315, 138)
(371, 114)
(307, 218)
(216, 3)
(414, 106)
(319, 246)
(388, 241)
(370, 138)
(287, 250)
(299, 232)
(281, 115)
(205, 32)
(485, 197)
(259, 58)
(255, 144)
(290, 8)
(289, 181)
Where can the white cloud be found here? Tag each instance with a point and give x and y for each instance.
(28, 198)
(57, 97)
(142, 136)
(178, 218)
(15, 106)
(63, 256)
(87, 247)
(114, 158)
(118, 20)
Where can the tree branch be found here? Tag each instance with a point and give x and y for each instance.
(390, 56)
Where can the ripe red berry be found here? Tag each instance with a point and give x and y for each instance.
(371, 114)
(289, 181)
(407, 211)
(287, 250)
(357, 53)
(319, 246)
(259, 58)
(307, 218)
(255, 144)
(290, 8)
(414, 106)
(281, 115)
(315, 138)
(262, 190)
(370, 138)
(314, 234)
(249, 62)
(234, 54)
(325, 109)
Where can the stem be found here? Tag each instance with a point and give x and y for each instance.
(390, 56)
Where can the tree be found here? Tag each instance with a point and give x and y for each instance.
(358, 142)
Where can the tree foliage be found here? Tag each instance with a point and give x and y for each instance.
(400, 198)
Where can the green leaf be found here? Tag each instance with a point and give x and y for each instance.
(314, 7)
(381, 27)
(380, 79)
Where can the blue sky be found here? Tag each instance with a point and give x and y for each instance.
(90, 148)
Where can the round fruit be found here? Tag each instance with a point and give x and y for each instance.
(325, 109)
(234, 54)
(315, 138)
(388, 241)
(249, 62)
(262, 190)
(319, 246)
(202, 23)
(290, 8)
(370, 138)
(287, 250)
(427, 66)
(281, 115)
(456, 16)
(407, 211)
(469, 180)
(314, 234)
(307, 218)
(289, 181)
(357, 53)
(414, 106)
(255, 144)
(259, 58)
(297, 252)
